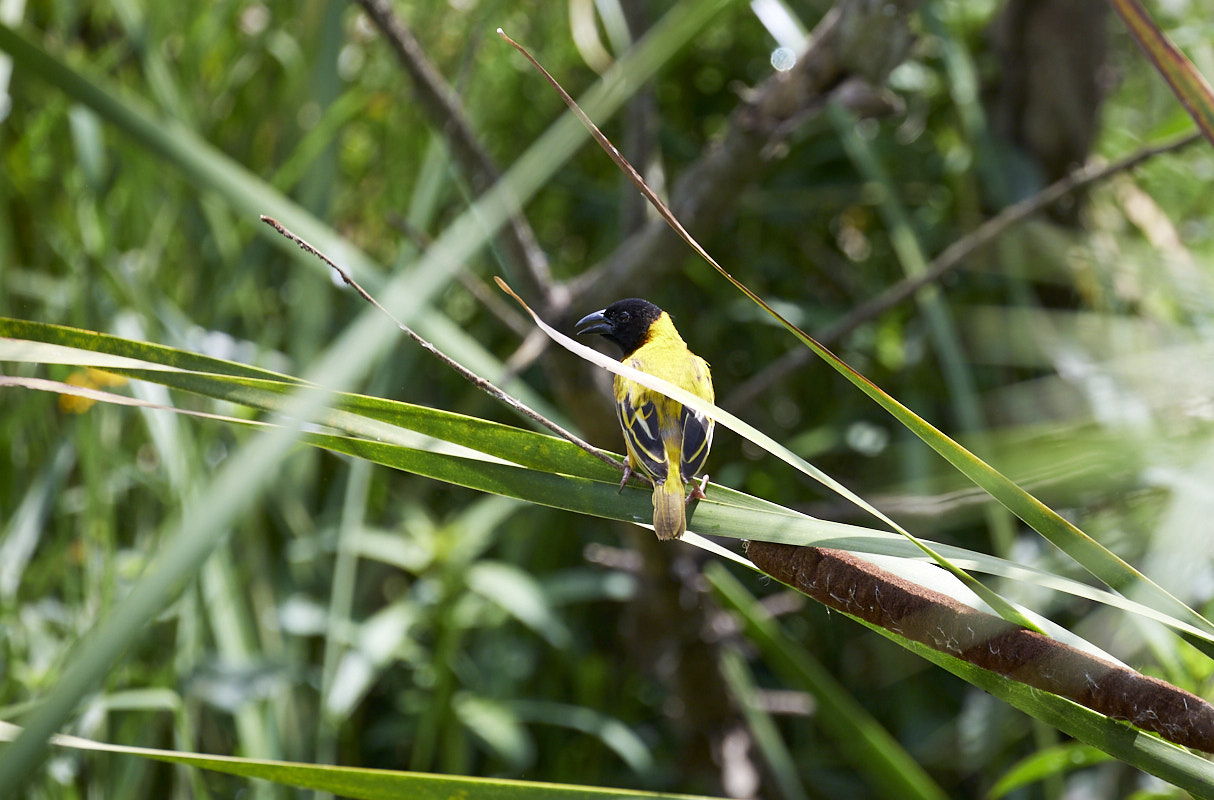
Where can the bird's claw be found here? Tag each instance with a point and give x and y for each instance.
(627, 475)
(697, 490)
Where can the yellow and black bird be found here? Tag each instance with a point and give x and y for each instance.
(665, 441)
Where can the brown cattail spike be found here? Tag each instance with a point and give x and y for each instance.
(848, 583)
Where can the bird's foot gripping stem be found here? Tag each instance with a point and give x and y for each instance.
(697, 490)
(627, 475)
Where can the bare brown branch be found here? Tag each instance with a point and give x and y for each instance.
(854, 46)
(435, 96)
(950, 259)
(861, 40)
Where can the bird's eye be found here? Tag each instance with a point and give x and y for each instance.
(624, 315)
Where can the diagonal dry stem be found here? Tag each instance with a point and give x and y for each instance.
(465, 373)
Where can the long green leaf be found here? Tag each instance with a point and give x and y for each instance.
(763, 730)
(599, 497)
(270, 391)
(1142, 750)
(1046, 763)
(146, 353)
(749, 432)
(364, 784)
(1098, 560)
(378, 430)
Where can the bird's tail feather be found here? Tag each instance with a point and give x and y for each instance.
(669, 509)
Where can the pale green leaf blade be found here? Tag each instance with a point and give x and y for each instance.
(364, 784)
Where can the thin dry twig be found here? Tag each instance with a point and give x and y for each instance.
(950, 259)
(465, 373)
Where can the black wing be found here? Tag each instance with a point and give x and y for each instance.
(644, 435)
(697, 441)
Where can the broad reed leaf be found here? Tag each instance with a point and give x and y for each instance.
(492, 457)
(725, 512)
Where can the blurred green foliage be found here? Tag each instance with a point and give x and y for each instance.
(365, 617)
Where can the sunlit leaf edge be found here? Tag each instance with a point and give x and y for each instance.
(724, 513)
(354, 782)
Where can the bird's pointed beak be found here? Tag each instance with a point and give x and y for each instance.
(593, 323)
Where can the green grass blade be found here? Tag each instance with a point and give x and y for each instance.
(942, 328)
(1046, 763)
(614, 734)
(1090, 554)
(766, 735)
(1176, 765)
(270, 391)
(83, 342)
(1097, 559)
(730, 514)
(561, 491)
(364, 784)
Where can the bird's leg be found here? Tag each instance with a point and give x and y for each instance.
(627, 475)
(697, 490)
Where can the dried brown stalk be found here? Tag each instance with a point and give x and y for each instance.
(848, 583)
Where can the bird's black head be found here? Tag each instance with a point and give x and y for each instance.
(625, 322)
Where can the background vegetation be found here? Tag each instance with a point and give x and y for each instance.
(367, 617)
